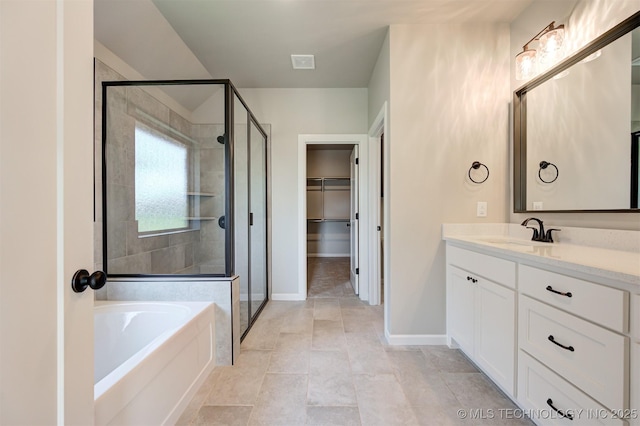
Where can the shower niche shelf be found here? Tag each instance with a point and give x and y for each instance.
(200, 210)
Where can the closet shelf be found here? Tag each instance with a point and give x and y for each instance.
(328, 199)
(323, 184)
(200, 194)
(330, 178)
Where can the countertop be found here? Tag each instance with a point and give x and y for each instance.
(610, 264)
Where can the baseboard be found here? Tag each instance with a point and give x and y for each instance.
(328, 254)
(287, 296)
(416, 339)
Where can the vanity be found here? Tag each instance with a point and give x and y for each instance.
(555, 325)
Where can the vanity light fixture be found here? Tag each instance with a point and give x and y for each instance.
(530, 61)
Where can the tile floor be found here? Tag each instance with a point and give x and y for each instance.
(325, 362)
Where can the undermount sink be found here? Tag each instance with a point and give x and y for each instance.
(510, 241)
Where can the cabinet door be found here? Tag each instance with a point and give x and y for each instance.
(495, 332)
(461, 308)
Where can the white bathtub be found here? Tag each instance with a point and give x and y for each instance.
(150, 359)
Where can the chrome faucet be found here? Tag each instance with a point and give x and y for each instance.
(539, 234)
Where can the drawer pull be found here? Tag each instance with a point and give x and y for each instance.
(473, 280)
(552, 340)
(568, 294)
(560, 413)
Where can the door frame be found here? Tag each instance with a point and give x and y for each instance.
(354, 218)
(379, 127)
(363, 154)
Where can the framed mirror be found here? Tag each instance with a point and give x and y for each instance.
(577, 129)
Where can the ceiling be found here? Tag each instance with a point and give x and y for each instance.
(250, 41)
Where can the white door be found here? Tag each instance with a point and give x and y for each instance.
(354, 219)
(46, 206)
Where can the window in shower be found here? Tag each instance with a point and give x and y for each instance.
(161, 175)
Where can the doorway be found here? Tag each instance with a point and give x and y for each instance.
(332, 220)
(331, 235)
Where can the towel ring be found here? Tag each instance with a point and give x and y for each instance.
(543, 166)
(475, 166)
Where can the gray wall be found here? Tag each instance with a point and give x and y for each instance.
(449, 106)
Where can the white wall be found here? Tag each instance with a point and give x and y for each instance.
(291, 112)
(379, 82)
(587, 20)
(449, 102)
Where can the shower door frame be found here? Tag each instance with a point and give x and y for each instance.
(230, 92)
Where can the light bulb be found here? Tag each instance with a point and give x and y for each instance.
(526, 64)
(551, 46)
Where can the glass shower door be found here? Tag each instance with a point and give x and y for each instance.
(241, 207)
(258, 218)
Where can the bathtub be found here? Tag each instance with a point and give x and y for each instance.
(150, 359)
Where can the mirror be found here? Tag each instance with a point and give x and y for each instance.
(577, 129)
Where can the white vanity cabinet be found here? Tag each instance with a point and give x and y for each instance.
(563, 344)
(481, 312)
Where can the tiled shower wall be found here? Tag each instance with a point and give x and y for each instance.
(200, 250)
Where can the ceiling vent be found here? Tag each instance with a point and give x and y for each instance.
(303, 62)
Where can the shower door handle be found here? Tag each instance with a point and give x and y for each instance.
(250, 219)
(81, 280)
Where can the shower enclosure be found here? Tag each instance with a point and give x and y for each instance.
(184, 185)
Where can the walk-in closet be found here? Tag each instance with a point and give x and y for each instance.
(331, 220)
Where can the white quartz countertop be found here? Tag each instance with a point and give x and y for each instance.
(605, 262)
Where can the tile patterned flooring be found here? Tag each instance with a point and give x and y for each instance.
(325, 361)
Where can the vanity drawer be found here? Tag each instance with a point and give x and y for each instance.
(538, 387)
(590, 357)
(604, 305)
(494, 268)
